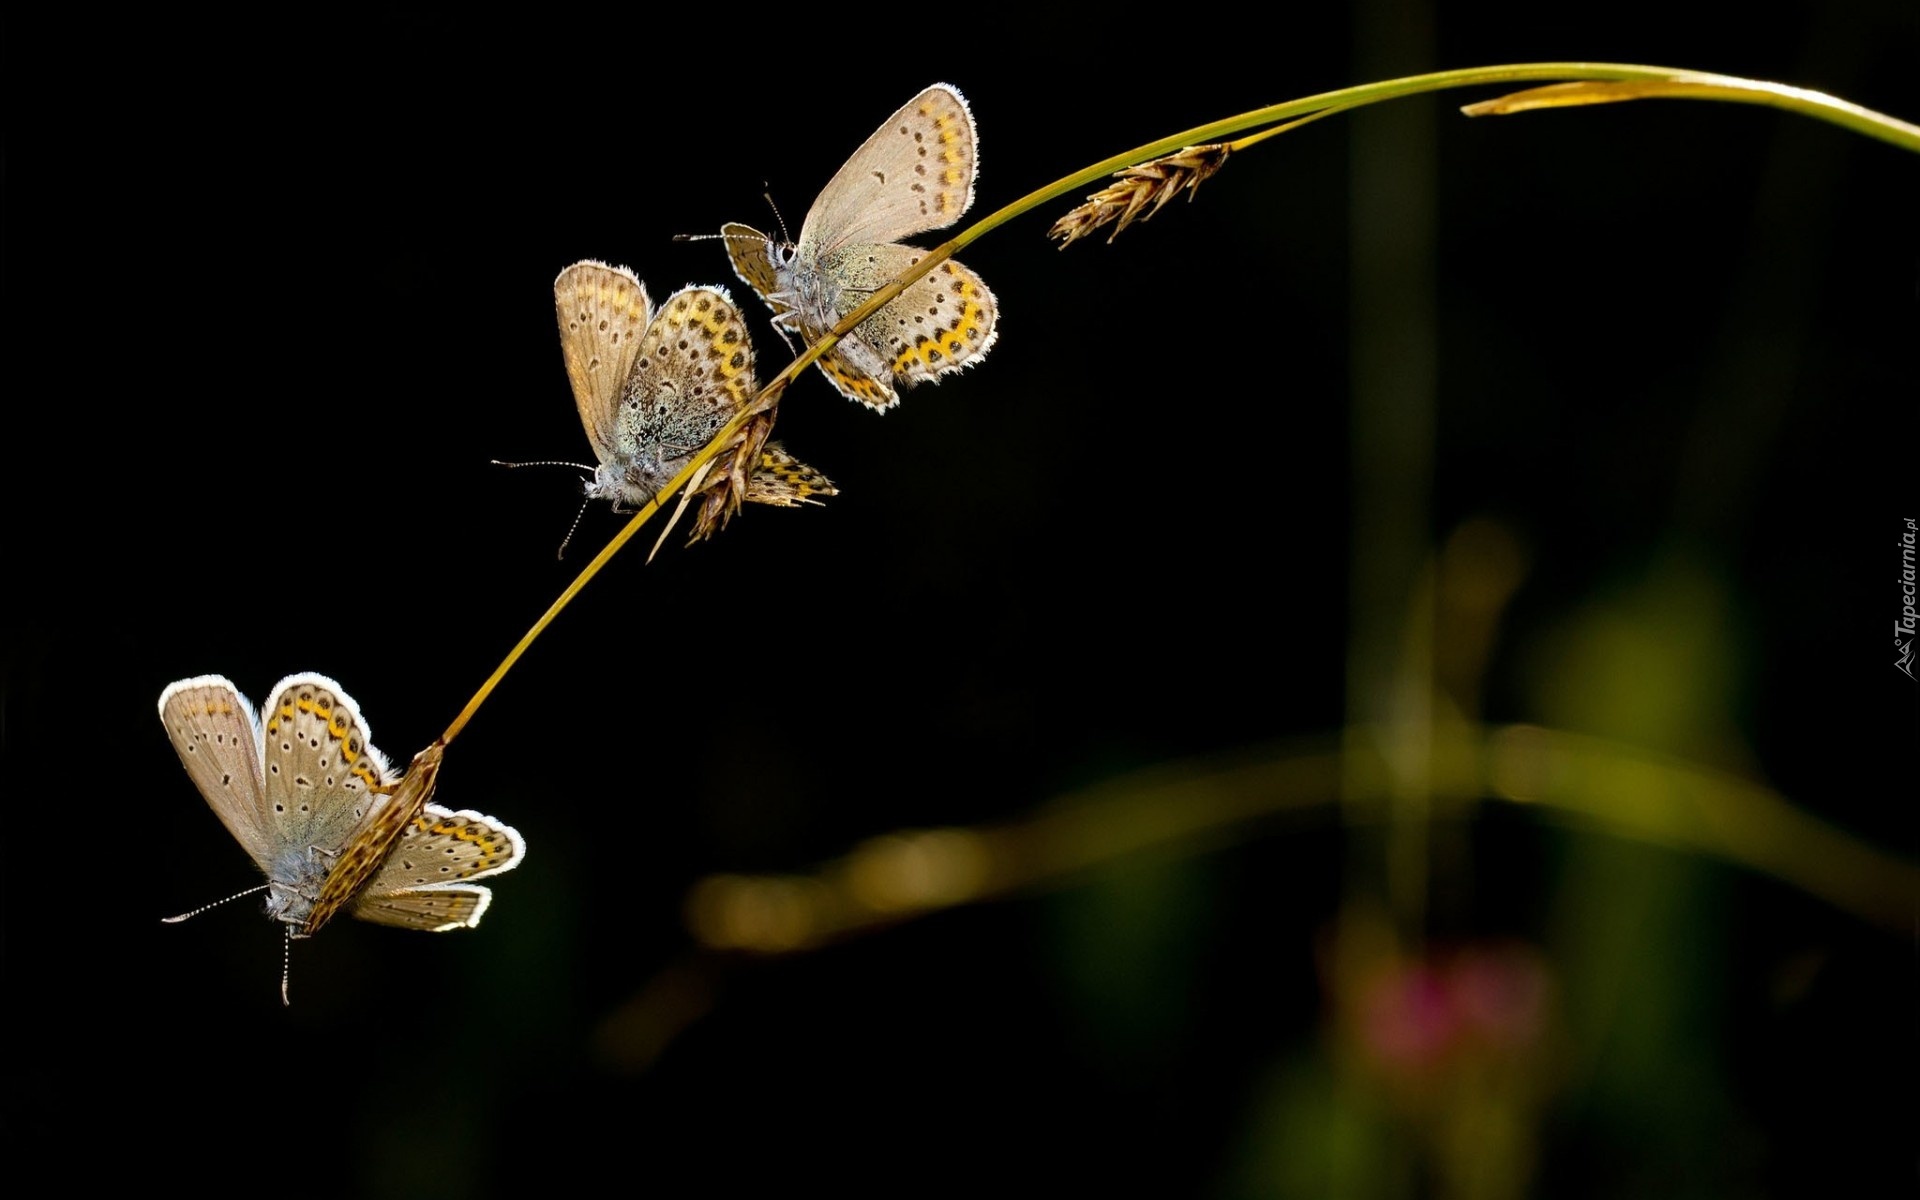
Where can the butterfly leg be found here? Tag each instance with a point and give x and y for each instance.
(291, 905)
(782, 323)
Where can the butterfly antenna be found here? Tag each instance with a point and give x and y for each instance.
(565, 541)
(544, 463)
(286, 969)
(777, 218)
(766, 195)
(216, 904)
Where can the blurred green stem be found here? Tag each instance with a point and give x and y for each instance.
(1197, 807)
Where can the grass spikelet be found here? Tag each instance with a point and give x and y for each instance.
(1142, 192)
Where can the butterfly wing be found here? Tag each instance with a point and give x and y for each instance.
(782, 479)
(213, 729)
(752, 254)
(695, 357)
(322, 773)
(857, 371)
(776, 478)
(603, 312)
(327, 789)
(945, 320)
(430, 910)
(692, 373)
(427, 882)
(914, 174)
(368, 846)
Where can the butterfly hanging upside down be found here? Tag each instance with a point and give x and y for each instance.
(653, 387)
(913, 175)
(319, 811)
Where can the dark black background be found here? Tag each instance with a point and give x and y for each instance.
(276, 297)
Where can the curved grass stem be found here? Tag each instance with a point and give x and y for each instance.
(1583, 83)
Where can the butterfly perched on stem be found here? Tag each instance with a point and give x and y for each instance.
(323, 816)
(653, 386)
(913, 175)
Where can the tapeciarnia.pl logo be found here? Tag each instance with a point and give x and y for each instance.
(1904, 624)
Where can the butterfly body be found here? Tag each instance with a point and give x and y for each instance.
(294, 878)
(322, 815)
(913, 175)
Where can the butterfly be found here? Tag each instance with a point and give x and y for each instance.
(323, 816)
(913, 175)
(653, 387)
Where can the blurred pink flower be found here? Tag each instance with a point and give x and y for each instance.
(1414, 1013)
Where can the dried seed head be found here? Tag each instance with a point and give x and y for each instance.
(1141, 192)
